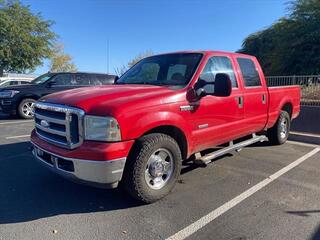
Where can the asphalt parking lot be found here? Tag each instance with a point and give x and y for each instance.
(263, 192)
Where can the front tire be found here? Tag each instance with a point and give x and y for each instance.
(153, 167)
(25, 110)
(279, 133)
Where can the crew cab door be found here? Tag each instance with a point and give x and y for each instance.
(221, 117)
(255, 96)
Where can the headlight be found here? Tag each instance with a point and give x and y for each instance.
(8, 93)
(102, 129)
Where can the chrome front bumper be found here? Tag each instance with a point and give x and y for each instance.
(102, 174)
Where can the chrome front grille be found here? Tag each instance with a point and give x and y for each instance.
(59, 124)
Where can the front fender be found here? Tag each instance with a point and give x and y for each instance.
(133, 127)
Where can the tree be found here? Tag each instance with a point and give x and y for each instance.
(292, 44)
(122, 69)
(60, 61)
(25, 38)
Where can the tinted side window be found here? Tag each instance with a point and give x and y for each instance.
(96, 80)
(217, 64)
(14, 83)
(249, 72)
(63, 80)
(81, 80)
(5, 84)
(105, 79)
(99, 79)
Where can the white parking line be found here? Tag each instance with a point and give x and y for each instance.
(15, 122)
(194, 227)
(21, 136)
(303, 144)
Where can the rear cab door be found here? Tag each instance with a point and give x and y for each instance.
(255, 93)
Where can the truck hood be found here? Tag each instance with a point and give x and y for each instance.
(105, 100)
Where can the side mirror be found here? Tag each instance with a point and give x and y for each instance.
(199, 90)
(115, 79)
(194, 95)
(222, 85)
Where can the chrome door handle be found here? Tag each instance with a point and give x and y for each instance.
(264, 99)
(240, 101)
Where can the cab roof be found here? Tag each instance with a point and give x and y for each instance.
(210, 52)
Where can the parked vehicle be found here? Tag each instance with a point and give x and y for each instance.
(18, 77)
(13, 82)
(166, 109)
(20, 99)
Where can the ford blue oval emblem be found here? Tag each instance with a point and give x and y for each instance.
(44, 123)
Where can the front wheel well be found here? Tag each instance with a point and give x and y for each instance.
(174, 132)
(288, 108)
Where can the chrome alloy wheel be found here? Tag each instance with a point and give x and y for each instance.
(159, 168)
(283, 128)
(27, 109)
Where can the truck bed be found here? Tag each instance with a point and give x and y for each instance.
(278, 97)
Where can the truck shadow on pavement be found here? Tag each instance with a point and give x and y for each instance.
(307, 213)
(29, 191)
(316, 234)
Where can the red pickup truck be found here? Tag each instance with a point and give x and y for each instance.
(165, 110)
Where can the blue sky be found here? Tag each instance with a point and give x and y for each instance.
(161, 26)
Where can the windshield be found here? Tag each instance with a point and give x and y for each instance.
(43, 78)
(167, 69)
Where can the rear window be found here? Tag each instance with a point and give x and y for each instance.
(249, 72)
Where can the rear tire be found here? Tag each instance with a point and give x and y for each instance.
(25, 108)
(279, 133)
(153, 167)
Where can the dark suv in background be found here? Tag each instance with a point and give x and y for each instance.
(20, 99)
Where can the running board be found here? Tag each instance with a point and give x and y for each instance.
(206, 159)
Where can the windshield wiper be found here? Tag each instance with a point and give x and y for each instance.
(139, 83)
(156, 83)
(144, 83)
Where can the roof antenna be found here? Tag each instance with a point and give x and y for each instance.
(108, 56)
